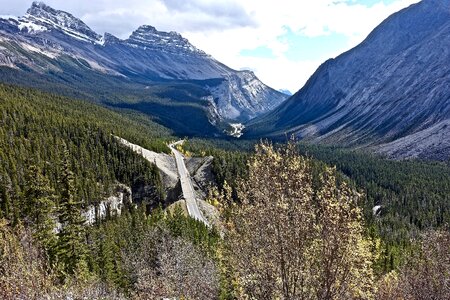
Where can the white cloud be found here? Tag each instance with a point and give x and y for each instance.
(307, 18)
(223, 28)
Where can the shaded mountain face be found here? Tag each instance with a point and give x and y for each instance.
(52, 49)
(390, 93)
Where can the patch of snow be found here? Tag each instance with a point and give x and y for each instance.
(237, 129)
(148, 37)
(31, 27)
(77, 35)
(132, 45)
(31, 20)
(7, 17)
(101, 42)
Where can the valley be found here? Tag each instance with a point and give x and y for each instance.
(159, 74)
(390, 94)
(144, 168)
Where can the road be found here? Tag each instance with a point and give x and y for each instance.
(186, 186)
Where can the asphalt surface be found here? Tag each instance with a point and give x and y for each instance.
(186, 186)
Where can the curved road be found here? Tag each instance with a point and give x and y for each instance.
(186, 186)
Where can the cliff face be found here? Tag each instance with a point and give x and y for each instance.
(112, 206)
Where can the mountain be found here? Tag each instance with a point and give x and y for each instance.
(391, 93)
(158, 73)
(286, 92)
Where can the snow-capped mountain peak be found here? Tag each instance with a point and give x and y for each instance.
(149, 37)
(46, 39)
(110, 39)
(41, 17)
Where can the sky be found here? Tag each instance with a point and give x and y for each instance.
(282, 41)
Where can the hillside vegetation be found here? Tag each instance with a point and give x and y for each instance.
(38, 128)
(414, 195)
(59, 156)
(293, 225)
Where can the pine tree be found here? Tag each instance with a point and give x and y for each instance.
(5, 204)
(39, 206)
(71, 243)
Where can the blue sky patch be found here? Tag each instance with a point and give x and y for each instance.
(369, 3)
(262, 51)
(311, 48)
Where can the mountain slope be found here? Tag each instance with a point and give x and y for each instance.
(55, 48)
(392, 86)
(42, 129)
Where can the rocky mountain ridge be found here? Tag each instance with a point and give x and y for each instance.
(52, 42)
(41, 17)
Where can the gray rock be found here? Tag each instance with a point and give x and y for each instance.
(112, 205)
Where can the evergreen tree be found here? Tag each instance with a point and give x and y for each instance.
(5, 204)
(39, 206)
(71, 243)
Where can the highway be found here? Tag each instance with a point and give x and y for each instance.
(186, 186)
